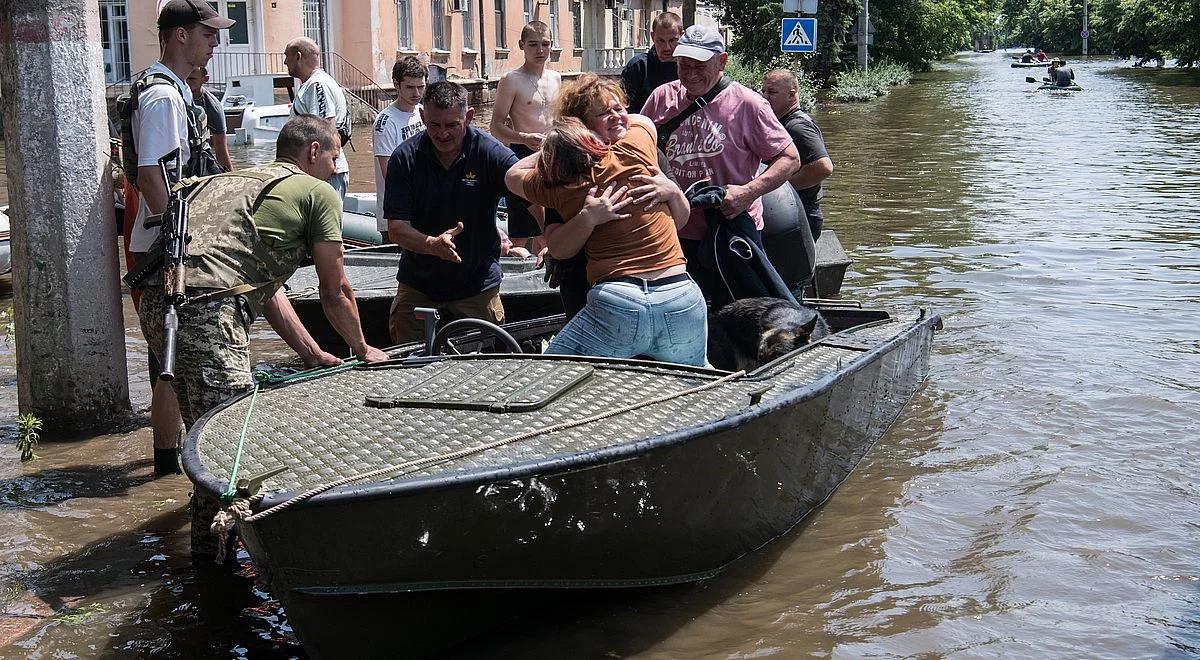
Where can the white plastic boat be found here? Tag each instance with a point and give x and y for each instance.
(257, 106)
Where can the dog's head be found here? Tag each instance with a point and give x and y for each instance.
(779, 341)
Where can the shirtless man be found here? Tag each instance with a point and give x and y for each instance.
(521, 117)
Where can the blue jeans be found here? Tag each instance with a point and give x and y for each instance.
(668, 323)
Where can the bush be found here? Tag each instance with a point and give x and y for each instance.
(750, 73)
(862, 85)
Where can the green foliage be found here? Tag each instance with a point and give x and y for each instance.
(29, 427)
(861, 85)
(911, 32)
(1137, 28)
(750, 73)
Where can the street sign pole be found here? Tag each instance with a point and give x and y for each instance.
(864, 21)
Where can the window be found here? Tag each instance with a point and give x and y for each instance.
(437, 10)
(528, 12)
(239, 32)
(501, 40)
(114, 40)
(404, 25)
(616, 27)
(468, 24)
(554, 22)
(314, 21)
(577, 23)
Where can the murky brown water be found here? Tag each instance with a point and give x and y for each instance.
(1039, 498)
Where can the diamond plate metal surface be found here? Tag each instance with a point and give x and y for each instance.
(322, 430)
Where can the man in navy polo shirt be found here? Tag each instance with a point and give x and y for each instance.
(440, 204)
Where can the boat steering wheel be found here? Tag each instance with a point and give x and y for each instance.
(441, 340)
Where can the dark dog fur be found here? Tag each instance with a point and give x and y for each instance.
(753, 331)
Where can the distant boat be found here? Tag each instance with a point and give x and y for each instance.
(255, 106)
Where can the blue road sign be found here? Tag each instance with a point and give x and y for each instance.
(798, 35)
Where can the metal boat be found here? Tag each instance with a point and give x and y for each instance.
(372, 273)
(459, 489)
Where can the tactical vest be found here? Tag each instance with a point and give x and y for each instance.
(197, 129)
(226, 255)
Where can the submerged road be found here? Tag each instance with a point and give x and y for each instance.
(1039, 498)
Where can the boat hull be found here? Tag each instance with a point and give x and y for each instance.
(432, 560)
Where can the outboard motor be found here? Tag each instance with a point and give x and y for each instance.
(787, 237)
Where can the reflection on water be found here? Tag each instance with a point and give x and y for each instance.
(1039, 497)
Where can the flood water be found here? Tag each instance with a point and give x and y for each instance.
(1040, 496)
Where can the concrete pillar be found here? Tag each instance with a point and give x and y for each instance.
(70, 331)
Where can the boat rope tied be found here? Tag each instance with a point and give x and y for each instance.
(422, 462)
(262, 378)
(224, 522)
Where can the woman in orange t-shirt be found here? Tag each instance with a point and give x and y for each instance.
(641, 301)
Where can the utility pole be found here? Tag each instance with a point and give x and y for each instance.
(69, 324)
(689, 13)
(864, 23)
(1086, 33)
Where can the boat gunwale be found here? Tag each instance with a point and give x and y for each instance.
(204, 478)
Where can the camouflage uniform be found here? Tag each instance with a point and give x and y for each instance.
(212, 362)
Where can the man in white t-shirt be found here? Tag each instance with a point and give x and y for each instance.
(187, 33)
(319, 95)
(398, 122)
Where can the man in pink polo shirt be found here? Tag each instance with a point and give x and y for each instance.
(725, 140)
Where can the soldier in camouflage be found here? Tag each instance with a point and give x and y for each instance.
(249, 231)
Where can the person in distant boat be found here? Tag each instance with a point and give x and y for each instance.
(641, 301)
(236, 266)
(321, 96)
(442, 190)
(217, 129)
(1064, 75)
(780, 90)
(398, 122)
(1027, 56)
(656, 67)
(1041, 55)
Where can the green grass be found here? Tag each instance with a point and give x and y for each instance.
(750, 73)
(862, 85)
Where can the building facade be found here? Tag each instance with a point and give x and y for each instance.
(460, 39)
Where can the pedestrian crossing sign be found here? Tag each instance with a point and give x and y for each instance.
(798, 35)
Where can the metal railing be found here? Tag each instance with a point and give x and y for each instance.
(610, 60)
(357, 83)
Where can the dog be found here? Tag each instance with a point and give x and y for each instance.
(751, 332)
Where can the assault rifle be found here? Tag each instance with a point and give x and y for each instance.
(170, 253)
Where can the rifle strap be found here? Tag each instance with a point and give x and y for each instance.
(238, 290)
(669, 126)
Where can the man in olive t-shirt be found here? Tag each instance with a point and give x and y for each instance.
(295, 216)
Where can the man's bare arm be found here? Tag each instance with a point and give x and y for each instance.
(284, 321)
(383, 163)
(337, 299)
(152, 188)
(220, 147)
(811, 174)
(779, 169)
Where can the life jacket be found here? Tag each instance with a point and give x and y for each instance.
(197, 130)
(226, 254)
